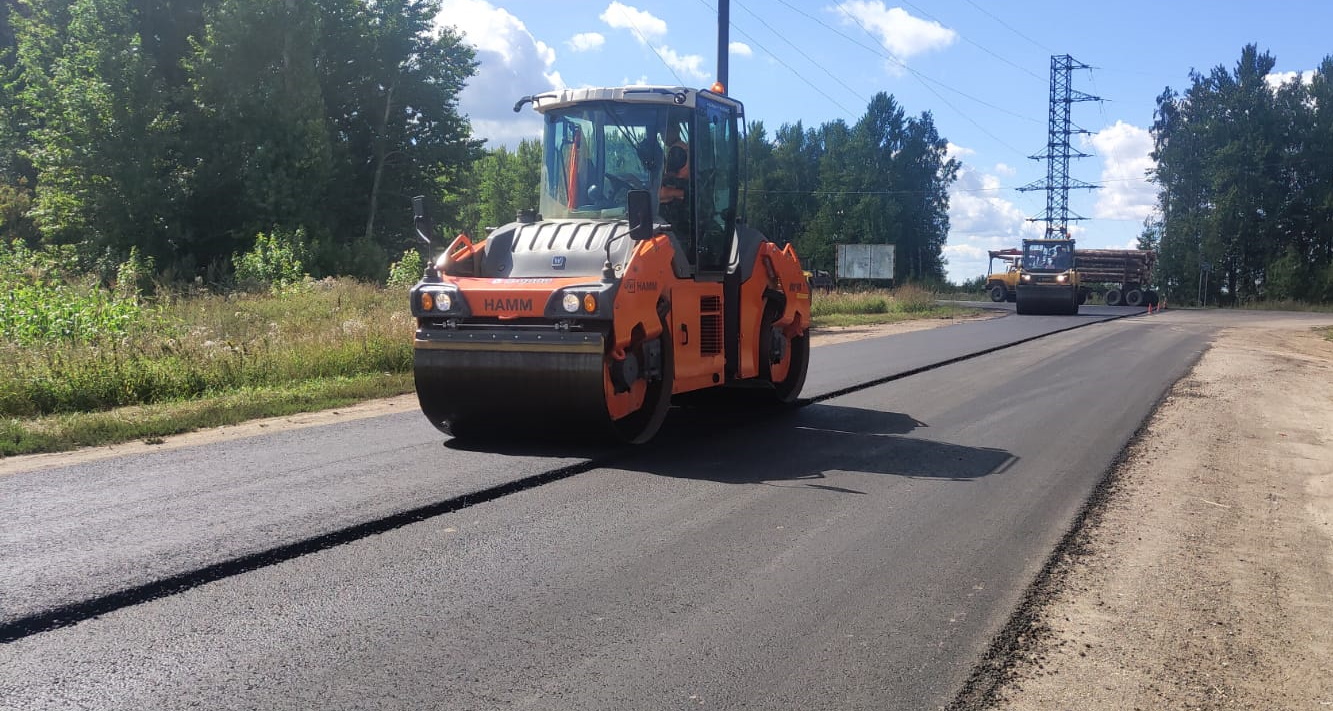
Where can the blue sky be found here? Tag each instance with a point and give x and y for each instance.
(981, 68)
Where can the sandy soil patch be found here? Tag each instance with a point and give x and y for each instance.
(1206, 581)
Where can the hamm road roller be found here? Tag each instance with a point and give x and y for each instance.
(633, 281)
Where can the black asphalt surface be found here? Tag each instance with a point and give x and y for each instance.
(858, 552)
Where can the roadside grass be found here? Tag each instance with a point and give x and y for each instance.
(1326, 332)
(202, 360)
(862, 308)
(58, 433)
(1287, 305)
(196, 360)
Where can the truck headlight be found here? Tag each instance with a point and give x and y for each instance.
(571, 302)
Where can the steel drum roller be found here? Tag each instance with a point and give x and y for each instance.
(487, 382)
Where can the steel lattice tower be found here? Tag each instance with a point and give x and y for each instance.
(1058, 149)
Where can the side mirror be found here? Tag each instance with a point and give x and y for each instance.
(425, 230)
(639, 212)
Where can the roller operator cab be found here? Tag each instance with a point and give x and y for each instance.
(634, 282)
(1047, 280)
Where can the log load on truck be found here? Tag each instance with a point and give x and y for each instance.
(1121, 275)
(633, 283)
(1125, 272)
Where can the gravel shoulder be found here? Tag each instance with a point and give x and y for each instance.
(1202, 578)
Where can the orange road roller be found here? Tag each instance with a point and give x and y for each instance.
(634, 281)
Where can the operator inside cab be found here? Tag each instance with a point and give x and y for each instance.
(1059, 258)
(673, 198)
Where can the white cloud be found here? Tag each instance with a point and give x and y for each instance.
(586, 41)
(901, 33)
(644, 25)
(691, 64)
(1126, 193)
(1005, 169)
(1277, 79)
(648, 30)
(740, 49)
(957, 152)
(981, 219)
(512, 63)
(968, 252)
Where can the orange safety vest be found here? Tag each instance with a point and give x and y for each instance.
(674, 181)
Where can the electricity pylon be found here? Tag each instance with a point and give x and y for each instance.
(1057, 183)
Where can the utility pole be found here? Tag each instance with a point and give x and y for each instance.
(1060, 128)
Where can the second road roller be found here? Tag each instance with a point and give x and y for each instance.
(634, 280)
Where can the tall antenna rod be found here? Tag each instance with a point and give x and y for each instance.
(723, 28)
(1058, 150)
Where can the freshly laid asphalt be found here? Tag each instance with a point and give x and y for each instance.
(858, 552)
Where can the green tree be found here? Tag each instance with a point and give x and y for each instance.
(1246, 192)
(781, 185)
(101, 144)
(501, 184)
(260, 134)
(391, 85)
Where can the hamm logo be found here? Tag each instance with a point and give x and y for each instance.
(507, 304)
(558, 262)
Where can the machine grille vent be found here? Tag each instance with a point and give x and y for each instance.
(710, 325)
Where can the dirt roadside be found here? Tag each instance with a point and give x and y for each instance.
(1204, 579)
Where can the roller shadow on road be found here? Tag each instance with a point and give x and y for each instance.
(748, 446)
(810, 444)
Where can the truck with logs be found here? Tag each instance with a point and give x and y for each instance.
(1122, 276)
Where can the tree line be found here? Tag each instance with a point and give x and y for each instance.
(188, 132)
(185, 128)
(1246, 201)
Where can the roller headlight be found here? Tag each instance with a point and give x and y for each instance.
(571, 303)
(434, 301)
(1027, 277)
(1062, 278)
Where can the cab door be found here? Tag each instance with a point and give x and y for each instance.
(714, 170)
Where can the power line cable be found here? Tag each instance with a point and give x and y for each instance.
(880, 51)
(799, 51)
(1017, 66)
(850, 114)
(1009, 27)
(649, 45)
(965, 116)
